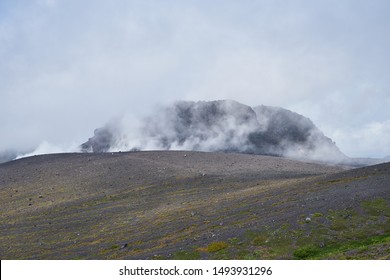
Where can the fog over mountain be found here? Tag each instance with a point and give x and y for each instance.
(68, 67)
(226, 126)
(8, 155)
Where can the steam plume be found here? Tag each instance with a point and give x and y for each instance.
(220, 126)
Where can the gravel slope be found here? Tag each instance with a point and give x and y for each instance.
(89, 206)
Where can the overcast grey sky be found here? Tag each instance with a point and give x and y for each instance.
(68, 67)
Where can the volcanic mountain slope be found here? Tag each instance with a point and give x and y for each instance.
(223, 125)
(191, 205)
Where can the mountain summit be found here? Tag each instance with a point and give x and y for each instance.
(223, 125)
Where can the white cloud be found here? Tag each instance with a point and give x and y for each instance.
(49, 148)
(67, 67)
(370, 140)
(267, 76)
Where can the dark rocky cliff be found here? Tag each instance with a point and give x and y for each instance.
(226, 126)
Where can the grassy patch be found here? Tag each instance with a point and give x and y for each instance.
(353, 233)
(186, 255)
(260, 239)
(317, 215)
(377, 207)
(306, 252)
(216, 246)
(341, 249)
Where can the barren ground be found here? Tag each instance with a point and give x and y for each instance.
(191, 205)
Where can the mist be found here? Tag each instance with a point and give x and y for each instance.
(69, 67)
(218, 126)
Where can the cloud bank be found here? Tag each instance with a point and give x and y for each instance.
(69, 66)
(224, 125)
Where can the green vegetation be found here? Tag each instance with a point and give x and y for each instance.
(376, 207)
(216, 246)
(187, 255)
(317, 215)
(139, 207)
(306, 252)
(362, 233)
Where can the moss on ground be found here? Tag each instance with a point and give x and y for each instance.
(362, 233)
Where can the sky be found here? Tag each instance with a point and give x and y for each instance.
(68, 67)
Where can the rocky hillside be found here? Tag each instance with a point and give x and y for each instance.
(191, 205)
(221, 126)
